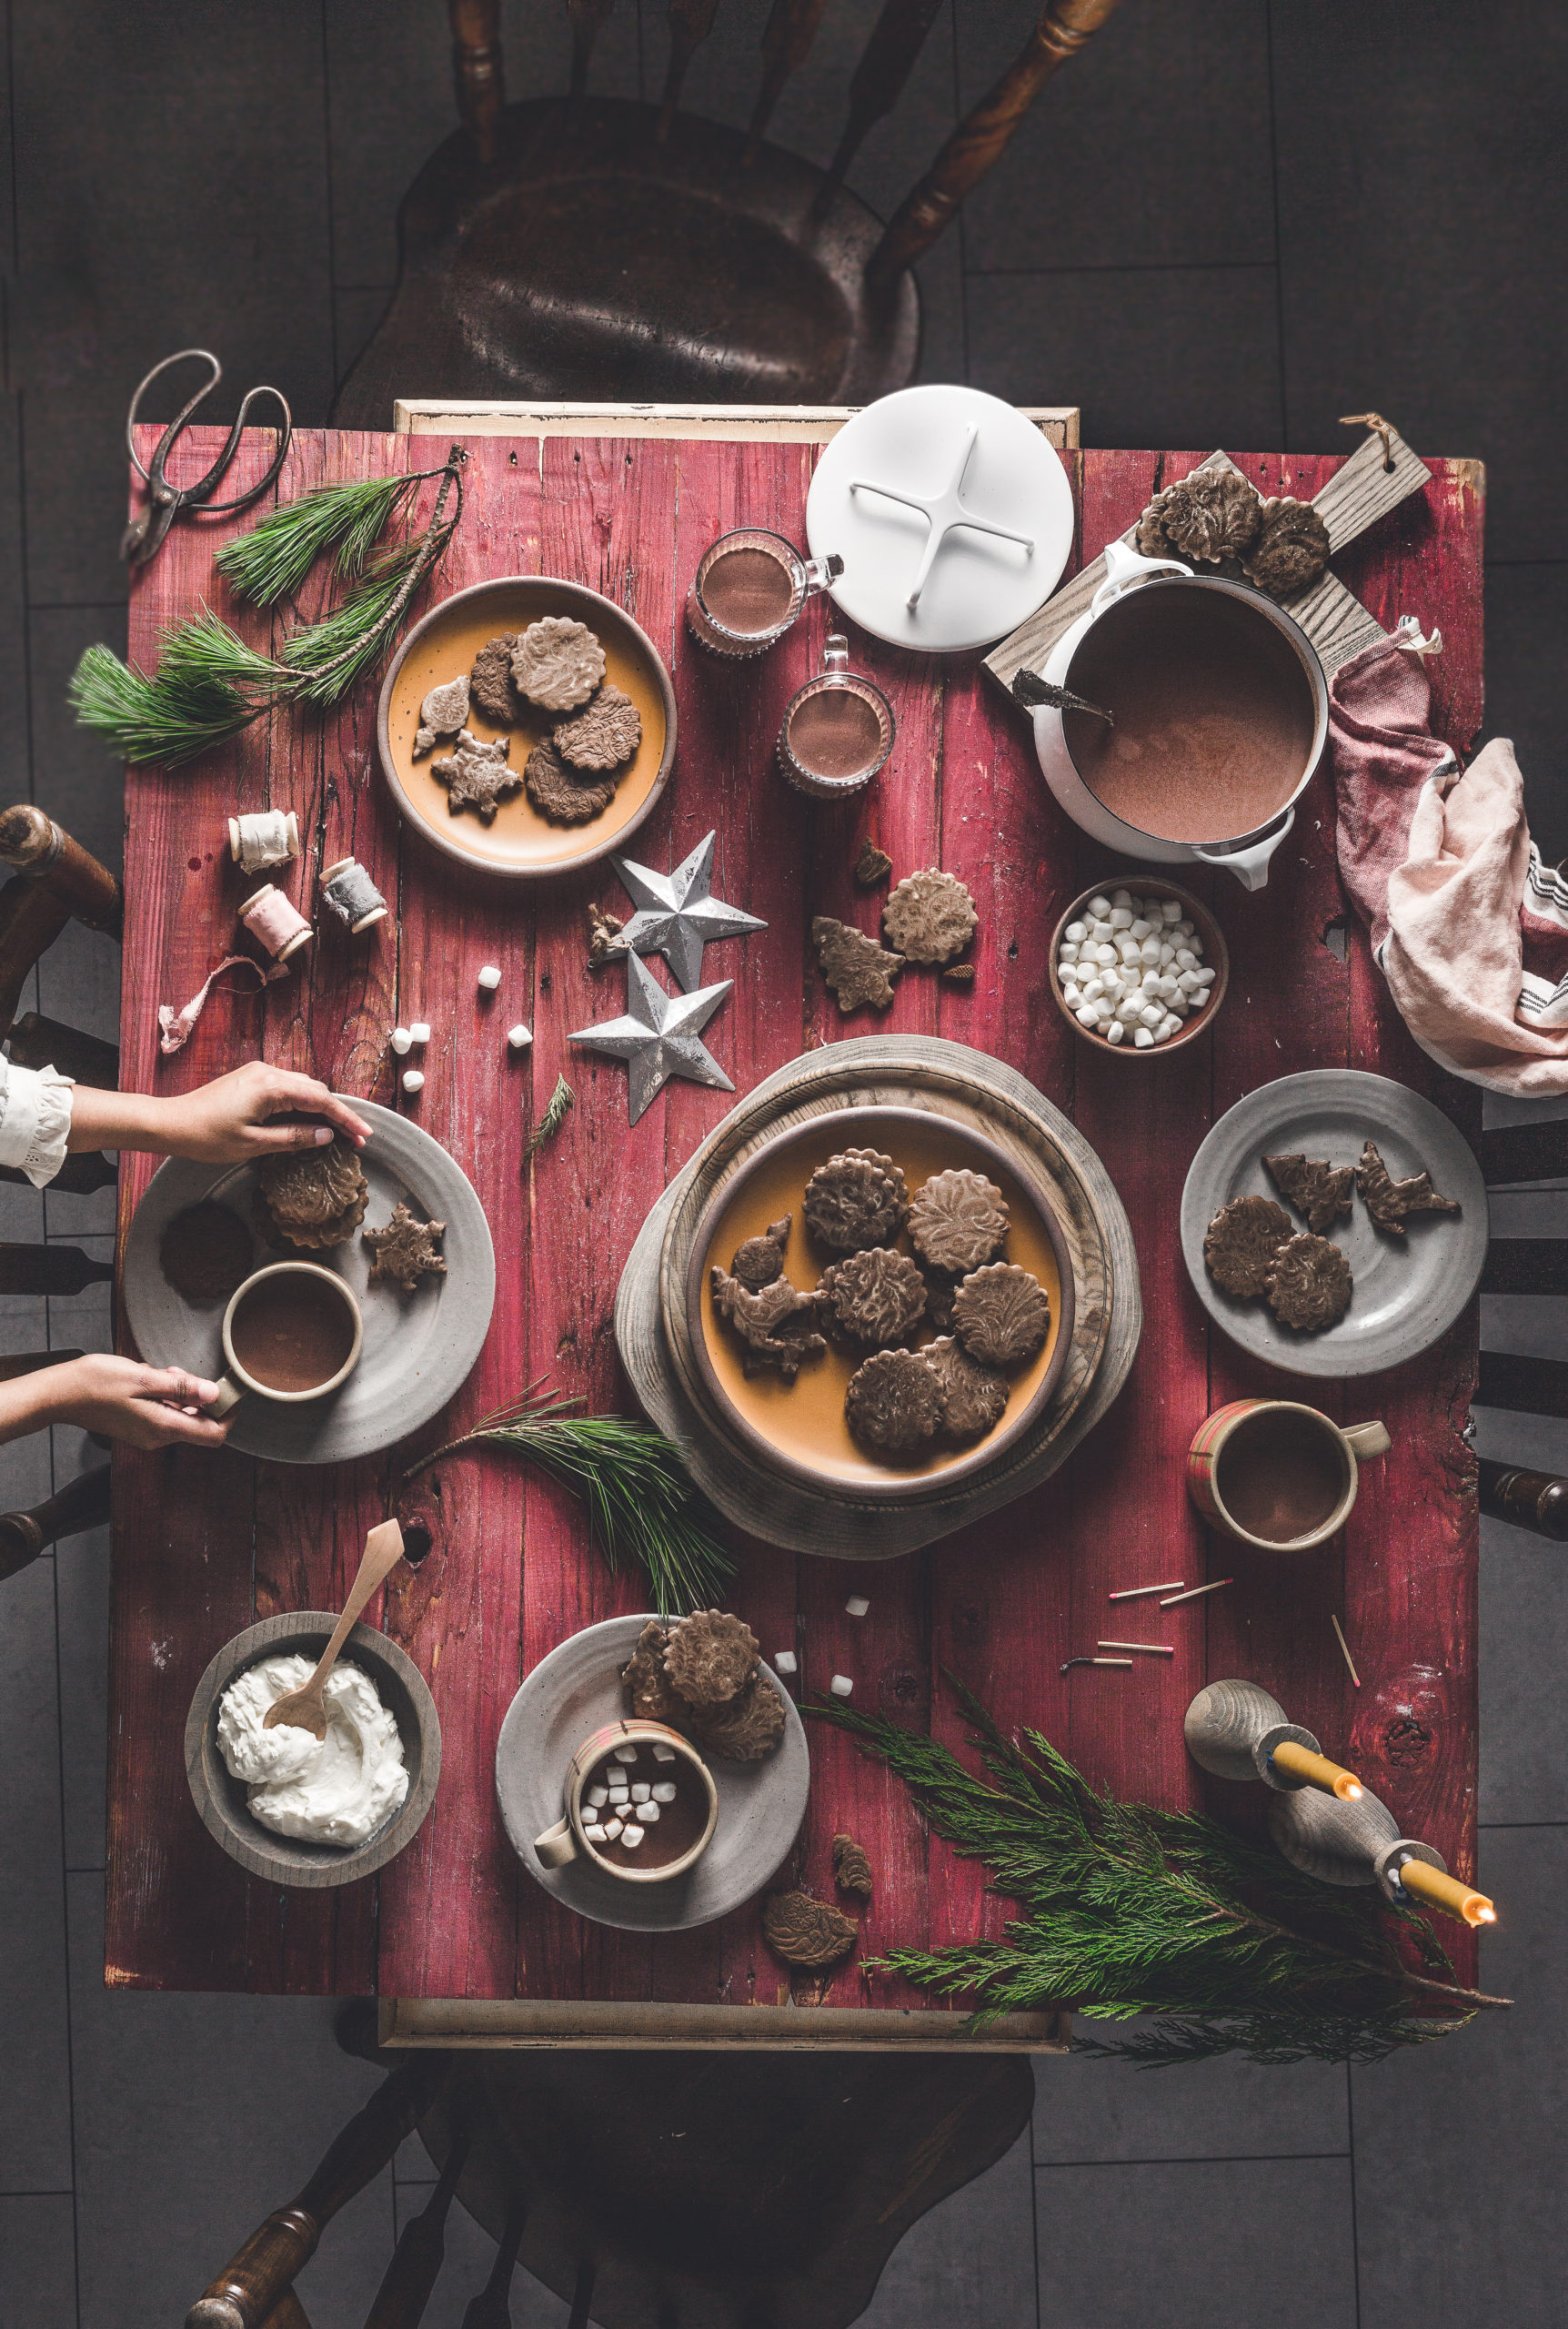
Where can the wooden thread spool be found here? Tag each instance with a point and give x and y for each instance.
(1360, 1844)
(269, 837)
(1238, 1731)
(352, 895)
(276, 923)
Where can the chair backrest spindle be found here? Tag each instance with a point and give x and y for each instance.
(880, 78)
(588, 18)
(478, 73)
(787, 39)
(690, 22)
(410, 2279)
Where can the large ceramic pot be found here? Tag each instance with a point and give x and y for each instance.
(1245, 855)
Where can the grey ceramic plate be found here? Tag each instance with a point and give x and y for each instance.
(575, 1691)
(418, 1348)
(1408, 1291)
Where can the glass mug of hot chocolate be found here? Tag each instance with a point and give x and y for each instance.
(838, 729)
(292, 1331)
(1276, 1475)
(749, 590)
(641, 1804)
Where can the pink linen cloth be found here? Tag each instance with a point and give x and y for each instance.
(1469, 928)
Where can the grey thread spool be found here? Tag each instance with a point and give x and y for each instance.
(352, 894)
(1345, 1843)
(1232, 1729)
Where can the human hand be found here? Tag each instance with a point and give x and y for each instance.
(226, 1122)
(142, 1406)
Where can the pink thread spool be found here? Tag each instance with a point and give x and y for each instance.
(275, 923)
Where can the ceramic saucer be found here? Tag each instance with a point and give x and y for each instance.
(574, 1691)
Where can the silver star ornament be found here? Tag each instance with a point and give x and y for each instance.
(676, 917)
(657, 1037)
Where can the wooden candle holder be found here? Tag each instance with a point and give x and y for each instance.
(1360, 1844)
(1238, 1731)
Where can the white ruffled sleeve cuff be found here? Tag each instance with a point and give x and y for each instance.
(34, 1119)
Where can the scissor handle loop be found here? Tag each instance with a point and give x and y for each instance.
(197, 496)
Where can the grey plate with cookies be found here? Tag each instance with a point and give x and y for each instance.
(1405, 1291)
(419, 1348)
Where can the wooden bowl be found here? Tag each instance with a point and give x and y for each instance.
(800, 1429)
(521, 845)
(1215, 952)
(220, 1798)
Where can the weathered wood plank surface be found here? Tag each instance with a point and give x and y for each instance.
(204, 1545)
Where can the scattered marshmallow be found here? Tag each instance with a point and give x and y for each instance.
(412, 1080)
(648, 1812)
(631, 1835)
(489, 978)
(857, 1605)
(663, 1791)
(641, 1791)
(784, 1659)
(595, 1833)
(419, 1031)
(519, 1038)
(612, 1829)
(841, 1686)
(661, 1753)
(625, 1754)
(402, 1041)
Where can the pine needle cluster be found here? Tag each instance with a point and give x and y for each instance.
(641, 1504)
(210, 686)
(549, 1124)
(1126, 1910)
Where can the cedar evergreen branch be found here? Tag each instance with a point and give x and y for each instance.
(210, 686)
(1126, 1910)
(640, 1501)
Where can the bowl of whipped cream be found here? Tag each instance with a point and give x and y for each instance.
(286, 1805)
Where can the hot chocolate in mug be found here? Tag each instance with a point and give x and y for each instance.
(1277, 1475)
(641, 1804)
(293, 1331)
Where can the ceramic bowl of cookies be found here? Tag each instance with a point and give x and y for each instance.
(382, 1697)
(527, 726)
(879, 1301)
(1141, 956)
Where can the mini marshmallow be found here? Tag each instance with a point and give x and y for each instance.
(784, 1659)
(631, 1836)
(661, 1753)
(1076, 932)
(1121, 897)
(1099, 907)
(620, 1794)
(489, 978)
(1151, 1014)
(1120, 918)
(519, 1038)
(1140, 929)
(841, 1686)
(1142, 1039)
(648, 1814)
(611, 1831)
(420, 1030)
(1093, 989)
(663, 1792)
(596, 1797)
(1169, 910)
(1167, 1028)
(1067, 951)
(857, 1605)
(641, 1791)
(402, 1041)
(625, 1754)
(595, 1833)
(1185, 958)
(1115, 1031)
(1150, 951)
(1167, 953)
(412, 1080)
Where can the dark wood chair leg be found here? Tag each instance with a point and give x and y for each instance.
(690, 22)
(249, 2288)
(82, 1503)
(1526, 1266)
(410, 2278)
(287, 2313)
(491, 2309)
(38, 1042)
(59, 881)
(1533, 1152)
(29, 1362)
(1534, 1501)
(582, 2296)
(50, 1269)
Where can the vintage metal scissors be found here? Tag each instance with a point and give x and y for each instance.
(143, 538)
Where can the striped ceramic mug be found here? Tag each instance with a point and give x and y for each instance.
(1278, 1475)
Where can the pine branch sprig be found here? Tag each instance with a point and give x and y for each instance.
(272, 562)
(562, 1098)
(641, 1504)
(1126, 1909)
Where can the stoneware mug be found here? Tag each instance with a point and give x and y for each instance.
(237, 1383)
(566, 1840)
(1205, 1468)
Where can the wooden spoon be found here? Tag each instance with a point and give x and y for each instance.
(306, 1709)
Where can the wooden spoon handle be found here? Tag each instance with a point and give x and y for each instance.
(383, 1551)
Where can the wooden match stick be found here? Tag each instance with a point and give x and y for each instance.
(1137, 1592)
(1097, 1661)
(1198, 1592)
(1344, 1645)
(1155, 1648)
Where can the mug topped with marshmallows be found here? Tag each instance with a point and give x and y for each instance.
(640, 1802)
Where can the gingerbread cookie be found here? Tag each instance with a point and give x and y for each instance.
(1001, 1315)
(1320, 1192)
(877, 1295)
(1241, 1243)
(1308, 1284)
(958, 1220)
(894, 1402)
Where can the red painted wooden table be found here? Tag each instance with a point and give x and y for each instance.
(205, 1545)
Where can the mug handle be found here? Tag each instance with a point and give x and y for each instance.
(229, 1394)
(1367, 1439)
(557, 1845)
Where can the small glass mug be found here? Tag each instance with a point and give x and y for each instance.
(838, 729)
(803, 577)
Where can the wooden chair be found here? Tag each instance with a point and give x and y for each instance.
(653, 2190)
(83, 1503)
(595, 250)
(55, 880)
(1522, 1156)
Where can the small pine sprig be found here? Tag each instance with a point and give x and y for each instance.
(549, 1124)
(272, 560)
(1126, 1909)
(641, 1504)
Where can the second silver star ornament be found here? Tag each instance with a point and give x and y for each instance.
(658, 1036)
(677, 915)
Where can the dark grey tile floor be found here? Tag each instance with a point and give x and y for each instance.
(1229, 222)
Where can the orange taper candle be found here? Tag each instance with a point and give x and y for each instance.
(1446, 1892)
(1316, 1770)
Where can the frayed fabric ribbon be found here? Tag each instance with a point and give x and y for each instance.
(175, 1026)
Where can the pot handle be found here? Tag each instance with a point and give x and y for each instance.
(1250, 866)
(1123, 566)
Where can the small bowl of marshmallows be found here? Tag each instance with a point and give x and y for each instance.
(1139, 970)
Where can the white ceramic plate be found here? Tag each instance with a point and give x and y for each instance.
(419, 1348)
(575, 1691)
(979, 588)
(1408, 1290)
